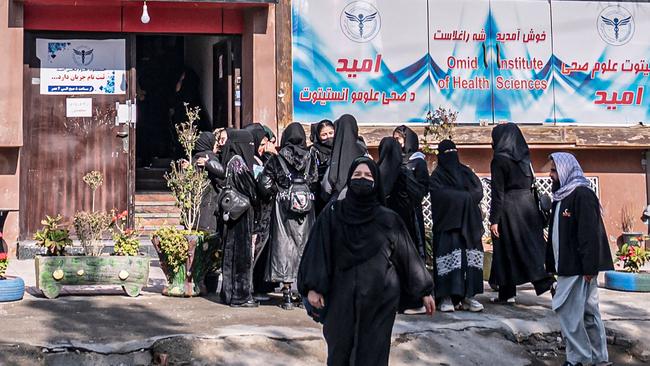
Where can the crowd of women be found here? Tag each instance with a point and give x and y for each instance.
(344, 235)
(275, 192)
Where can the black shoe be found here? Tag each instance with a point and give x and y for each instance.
(571, 364)
(247, 304)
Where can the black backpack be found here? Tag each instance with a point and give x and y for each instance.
(298, 198)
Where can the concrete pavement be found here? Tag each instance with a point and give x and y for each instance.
(102, 326)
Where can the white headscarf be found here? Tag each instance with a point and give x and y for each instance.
(570, 174)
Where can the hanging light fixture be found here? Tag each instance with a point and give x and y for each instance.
(145, 14)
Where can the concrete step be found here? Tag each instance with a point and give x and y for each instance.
(157, 215)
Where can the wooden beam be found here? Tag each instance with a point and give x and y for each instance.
(541, 136)
(283, 63)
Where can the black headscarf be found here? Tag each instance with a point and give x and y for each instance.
(258, 132)
(509, 142)
(323, 147)
(390, 161)
(455, 195)
(361, 220)
(240, 142)
(293, 146)
(205, 142)
(411, 141)
(346, 148)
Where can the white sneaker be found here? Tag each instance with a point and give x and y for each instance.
(447, 306)
(472, 305)
(416, 311)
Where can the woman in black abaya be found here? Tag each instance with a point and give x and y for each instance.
(400, 188)
(289, 229)
(206, 158)
(358, 260)
(415, 161)
(322, 137)
(516, 223)
(347, 147)
(237, 270)
(456, 193)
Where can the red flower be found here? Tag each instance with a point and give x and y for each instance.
(3, 256)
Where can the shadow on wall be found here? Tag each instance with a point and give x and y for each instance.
(8, 160)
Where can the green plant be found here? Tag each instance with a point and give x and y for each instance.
(633, 256)
(52, 237)
(440, 126)
(4, 263)
(186, 182)
(173, 245)
(125, 239)
(93, 180)
(90, 228)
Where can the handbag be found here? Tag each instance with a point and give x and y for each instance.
(232, 203)
(298, 198)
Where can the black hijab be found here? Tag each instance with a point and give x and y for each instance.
(346, 148)
(361, 220)
(390, 162)
(293, 146)
(240, 142)
(455, 195)
(205, 142)
(258, 132)
(323, 147)
(411, 141)
(509, 142)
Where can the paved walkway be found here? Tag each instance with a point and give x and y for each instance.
(105, 321)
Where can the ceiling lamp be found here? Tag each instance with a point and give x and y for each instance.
(145, 14)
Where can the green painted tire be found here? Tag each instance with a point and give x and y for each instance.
(12, 289)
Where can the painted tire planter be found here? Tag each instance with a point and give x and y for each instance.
(627, 281)
(11, 289)
(189, 279)
(130, 272)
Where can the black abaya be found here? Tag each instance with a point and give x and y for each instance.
(360, 258)
(457, 229)
(347, 147)
(519, 251)
(237, 267)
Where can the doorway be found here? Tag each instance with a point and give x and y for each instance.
(172, 70)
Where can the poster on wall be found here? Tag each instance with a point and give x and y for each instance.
(80, 66)
(602, 51)
(366, 58)
(520, 37)
(460, 53)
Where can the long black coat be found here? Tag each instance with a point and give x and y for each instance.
(583, 249)
(519, 251)
(361, 301)
(209, 205)
(419, 168)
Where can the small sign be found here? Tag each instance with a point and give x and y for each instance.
(78, 107)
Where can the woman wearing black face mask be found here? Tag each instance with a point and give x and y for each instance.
(322, 138)
(358, 259)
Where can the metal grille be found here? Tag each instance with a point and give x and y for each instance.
(544, 184)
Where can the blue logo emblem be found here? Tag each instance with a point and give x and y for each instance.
(615, 25)
(360, 21)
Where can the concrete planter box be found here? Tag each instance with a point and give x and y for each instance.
(52, 273)
(627, 281)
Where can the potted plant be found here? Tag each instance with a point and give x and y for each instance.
(633, 256)
(627, 224)
(126, 269)
(185, 254)
(11, 288)
(441, 124)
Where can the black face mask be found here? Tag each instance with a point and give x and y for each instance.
(555, 186)
(329, 142)
(362, 187)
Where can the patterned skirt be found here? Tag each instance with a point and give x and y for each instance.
(458, 270)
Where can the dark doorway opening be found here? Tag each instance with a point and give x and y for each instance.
(174, 70)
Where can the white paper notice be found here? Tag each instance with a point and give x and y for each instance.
(79, 107)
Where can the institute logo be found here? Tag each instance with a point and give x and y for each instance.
(82, 56)
(360, 21)
(615, 25)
